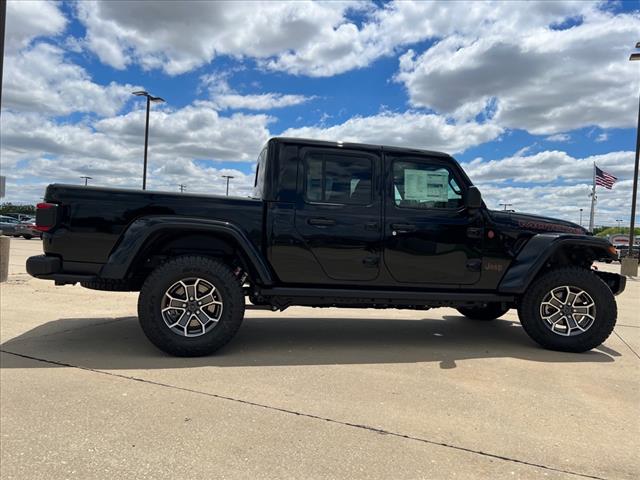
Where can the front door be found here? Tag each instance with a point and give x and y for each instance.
(339, 212)
(430, 237)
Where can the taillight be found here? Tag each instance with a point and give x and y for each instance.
(46, 216)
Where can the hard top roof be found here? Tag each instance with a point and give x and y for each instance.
(365, 146)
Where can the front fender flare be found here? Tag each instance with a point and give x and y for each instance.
(140, 230)
(537, 252)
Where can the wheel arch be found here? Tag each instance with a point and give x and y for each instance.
(544, 252)
(162, 236)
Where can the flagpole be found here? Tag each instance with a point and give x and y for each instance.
(593, 199)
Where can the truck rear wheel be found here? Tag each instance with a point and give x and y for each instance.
(569, 309)
(191, 306)
(490, 311)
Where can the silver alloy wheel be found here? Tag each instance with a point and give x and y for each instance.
(191, 307)
(568, 311)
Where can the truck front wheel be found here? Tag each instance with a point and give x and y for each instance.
(191, 306)
(568, 309)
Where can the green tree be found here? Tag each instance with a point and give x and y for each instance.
(9, 207)
(606, 231)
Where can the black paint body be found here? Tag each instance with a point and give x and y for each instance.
(289, 245)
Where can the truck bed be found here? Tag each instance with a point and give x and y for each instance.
(92, 219)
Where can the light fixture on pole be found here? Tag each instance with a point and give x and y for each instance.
(150, 98)
(86, 179)
(228, 177)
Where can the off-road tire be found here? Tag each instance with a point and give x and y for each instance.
(179, 268)
(605, 315)
(110, 285)
(489, 312)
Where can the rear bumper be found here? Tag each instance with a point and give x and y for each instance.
(47, 267)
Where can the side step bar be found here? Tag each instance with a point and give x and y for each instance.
(283, 297)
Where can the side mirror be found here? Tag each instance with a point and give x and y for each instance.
(473, 198)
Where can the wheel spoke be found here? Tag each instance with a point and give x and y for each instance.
(209, 300)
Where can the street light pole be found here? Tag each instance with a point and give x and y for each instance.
(630, 263)
(150, 98)
(228, 177)
(146, 145)
(581, 217)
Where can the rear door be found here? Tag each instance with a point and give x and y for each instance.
(430, 237)
(338, 212)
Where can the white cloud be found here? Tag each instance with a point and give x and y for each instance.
(307, 38)
(603, 137)
(224, 97)
(542, 80)
(558, 137)
(184, 147)
(263, 101)
(179, 37)
(39, 79)
(556, 184)
(27, 20)
(409, 129)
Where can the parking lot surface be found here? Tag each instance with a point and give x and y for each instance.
(307, 393)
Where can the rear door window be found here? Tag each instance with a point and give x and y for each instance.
(333, 178)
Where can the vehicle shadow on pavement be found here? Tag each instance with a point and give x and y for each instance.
(118, 343)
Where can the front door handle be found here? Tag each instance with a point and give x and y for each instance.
(473, 232)
(402, 228)
(321, 222)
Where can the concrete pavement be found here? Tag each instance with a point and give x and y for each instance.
(307, 393)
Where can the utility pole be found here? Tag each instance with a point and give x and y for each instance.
(594, 198)
(183, 187)
(581, 217)
(505, 205)
(619, 225)
(150, 98)
(86, 179)
(630, 263)
(228, 177)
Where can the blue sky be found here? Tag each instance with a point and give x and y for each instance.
(526, 95)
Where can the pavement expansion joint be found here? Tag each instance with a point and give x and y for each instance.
(625, 342)
(312, 416)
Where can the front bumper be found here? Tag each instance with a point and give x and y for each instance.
(614, 281)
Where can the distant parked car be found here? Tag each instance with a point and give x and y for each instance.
(27, 229)
(623, 251)
(22, 217)
(8, 225)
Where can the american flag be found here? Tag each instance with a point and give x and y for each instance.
(605, 179)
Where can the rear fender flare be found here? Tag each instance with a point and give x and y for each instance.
(142, 229)
(538, 250)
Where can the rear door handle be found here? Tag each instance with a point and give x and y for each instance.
(402, 228)
(321, 222)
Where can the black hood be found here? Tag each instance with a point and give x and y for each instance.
(537, 223)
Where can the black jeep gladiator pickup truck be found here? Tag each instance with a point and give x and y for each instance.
(329, 225)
